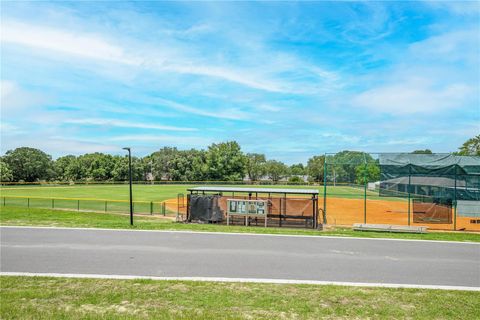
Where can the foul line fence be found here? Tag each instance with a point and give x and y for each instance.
(90, 205)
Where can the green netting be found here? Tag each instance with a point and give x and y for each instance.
(443, 177)
(440, 191)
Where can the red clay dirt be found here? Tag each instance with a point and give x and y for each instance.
(345, 212)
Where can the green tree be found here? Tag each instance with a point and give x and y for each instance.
(426, 151)
(315, 168)
(297, 169)
(188, 165)
(225, 161)
(97, 166)
(29, 164)
(64, 168)
(161, 161)
(372, 172)
(120, 169)
(295, 180)
(276, 170)
(5, 172)
(255, 166)
(345, 164)
(75, 170)
(471, 147)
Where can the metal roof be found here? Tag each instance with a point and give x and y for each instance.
(255, 190)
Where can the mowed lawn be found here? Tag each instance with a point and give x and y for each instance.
(64, 298)
(152, 192)
(110, 192)
(19, 216)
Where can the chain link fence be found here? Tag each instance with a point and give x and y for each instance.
(92, 205)
(440, 191)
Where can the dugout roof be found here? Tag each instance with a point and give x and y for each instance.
(254, 190)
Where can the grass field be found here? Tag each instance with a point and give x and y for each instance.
(149, 192)
(62, 298)
(12, 216)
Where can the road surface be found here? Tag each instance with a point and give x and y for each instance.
(185, 254)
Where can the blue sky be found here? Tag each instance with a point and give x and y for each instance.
(290, 80)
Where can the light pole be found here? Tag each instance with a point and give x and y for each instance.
(130, 177)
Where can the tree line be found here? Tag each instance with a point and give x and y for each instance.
(219, 162)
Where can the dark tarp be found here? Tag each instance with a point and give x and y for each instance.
(205, 208)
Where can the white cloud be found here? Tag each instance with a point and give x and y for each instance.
(267, 75)
(125, 124)
(57, 145)
(268, 107)
(10, 129)
(457, 45)
(15, 100)
(414, 96)
(189, 141)
(229, 114)
(83, 45)
(466, 8)
(438, 73)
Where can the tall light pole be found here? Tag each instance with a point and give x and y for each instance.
(130, 177)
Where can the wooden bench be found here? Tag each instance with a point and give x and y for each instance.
(388, 228)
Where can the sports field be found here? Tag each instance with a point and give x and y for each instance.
(154, 192)
(345, 204)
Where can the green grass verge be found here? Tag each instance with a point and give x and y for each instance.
(56, 218)
(64, 298)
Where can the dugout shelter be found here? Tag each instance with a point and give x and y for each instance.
(283, 207)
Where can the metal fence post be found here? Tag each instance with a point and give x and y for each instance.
(365, 191)
(455, 202)
(28, 202)
(325, 189)
(53, 203)
(78, 205)
(4, 201)
(105, 206)
(151, 208)
(409, 182)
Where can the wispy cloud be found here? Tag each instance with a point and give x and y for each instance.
(438, 73)
(226, 113)
(414, 96)
(82, 45)
(169, 140)
(15, 100)
(160, 59)
(125, 124)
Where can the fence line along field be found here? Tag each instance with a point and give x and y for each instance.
(111, 198)
(345, 204)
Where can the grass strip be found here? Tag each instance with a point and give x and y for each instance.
(15, 216)
(66, 298)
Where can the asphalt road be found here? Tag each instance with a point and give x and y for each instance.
(181, 254)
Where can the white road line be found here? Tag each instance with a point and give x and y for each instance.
(244, 234)
(241, 280)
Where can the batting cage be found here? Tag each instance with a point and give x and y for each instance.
(440, 191)
(273, 207)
